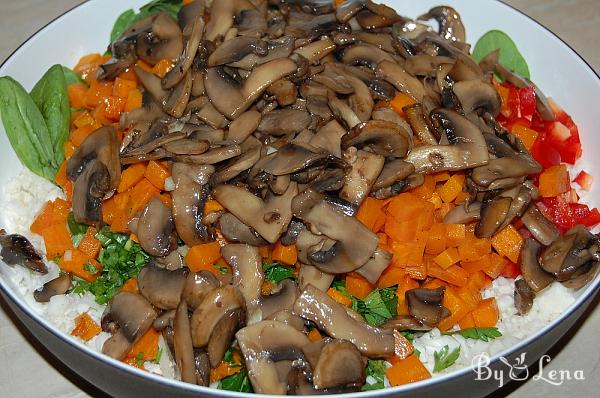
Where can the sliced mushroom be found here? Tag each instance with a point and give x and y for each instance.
(419, 124)
(236, 49)
(467, 149)
(248, 276)
(177, 100)
(182, 344)
(236, 231)
(258, 344)
(284, 122)
(284, 91)
(340, 365)
(89, 191)
(155, 229)
(354, 243)
(366, 55)
(402, 323)
(523, 296)
(222, 334)
(392, 172)
(404, 82)
(57, 286)
(16, 249)
(215, 155)
(426, 305)
(342, 111)
(384, 138)
(269, 218)
(162, 287)
(583, 275)
(451, 26)
(177, 73)
(163, 41)
(329, 138)
(569, 252)
(202, 365)
(311, 275)
(232, 99)
(331, 317)
(540, 227)
(366, 167)
(464, 214)
(197, 286)
(277, 48)
(373, 268)
(222, 15)
(493, 213)
(242, 127)
(477, 96)
(164, 320)
(282, 298)
(533, 274)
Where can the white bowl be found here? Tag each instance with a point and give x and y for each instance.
(554, 66)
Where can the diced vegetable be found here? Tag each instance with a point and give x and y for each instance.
(85, 327)
(203, 256)
(405, 371)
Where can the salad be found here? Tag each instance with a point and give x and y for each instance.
(289, 197)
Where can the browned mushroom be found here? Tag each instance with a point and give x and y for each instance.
(59, 285)
(197, 286)
(16, 249)
(248, 277)
(162, 287)
(340, 364)
(451, 27)
(523, 296)
(533, 274)
(182, 344)
(570, 252)
(155, 229)
(426, 305)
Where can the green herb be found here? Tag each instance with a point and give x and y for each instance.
(26, 129)
(237, 382)
(509, 56)
(228, 356)
(129, 17)
(221, 268)
(51, 97)
(444, 359)
(375, 369)
(90, 268)
(377, 307)
(139, 359)
(77, 230)
(121, 259)
(485, 334)
(276, 272)
(158, 356)
(340, 286)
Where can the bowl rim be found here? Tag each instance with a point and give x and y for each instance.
(586, 296)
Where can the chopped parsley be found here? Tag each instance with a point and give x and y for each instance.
(237, 382)
(121, 259)
(275, 272)
(377, 307)
(485, 334)
(139, 359)
(445, 358)
(375, 369)
(77, 230)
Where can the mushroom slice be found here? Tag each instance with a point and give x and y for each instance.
(342, 111)
(16, 249)
(467, 148)
(332, 317)
(162, 287)
(215, 155)
(282, 298)
(134, 316)
(187, 147)
(419, 124)
(354, 243)
(235, 49)
(222, 15)
(365, 55)
(248, 276)
(269, 217)
(311, 275)
(209, 115)
(394, 171)
(426, 65)
(182, 344)
(90, 188)
(123, 56)
(493, 213)
(220, 338)
(477, 97)
(570, 252)
(523, 296)
(202, 365)
(163, 41)
(178, 71)
(242, 127)
(340, 365)
(366, 167)
(164, 320)
(284, 122)
(464, 214)
(176, 102)
(368, 19)
(426, 305)
(189, 198)
(540, 227)
(277, 48)
(451, 26)
(258, 344)
(155, 229)
(583, 275)
(214, 307)
(102, 145)
(384, 138)
(289, 318)
(329, 138)
(373, 268)
(533, 274)
(152, 84)
(402, 323)
(285, 92)
(197, 286)
(236, 231)
(404, 82)
(59, 285)
(232, 99)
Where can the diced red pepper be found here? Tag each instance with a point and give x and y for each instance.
(545, 154)
(584, 180)
(511, 270)
(527, 102)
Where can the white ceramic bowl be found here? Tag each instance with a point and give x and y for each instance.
(555, 67)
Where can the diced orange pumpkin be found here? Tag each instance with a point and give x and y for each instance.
(400, 101)
(212, 206)
(265, 251)
(43, 219)
(436, 239)
(140, 195)
(83, 119)
(456, 234)
(391, 276)
(405, 371)
(134, 100)
(80, 134)
(467, 322)
(508, 242)
(357, 285)
(458, 308)
(453, 274)
(76, 94)
(451, 188)
(113, 107)
(123, 87)
(369, 212)
(130, 286)
(339, 297)
(554, 181)
(314, 335)
(496, 265)
(146, 348)
(96, 94)
(89, 245)
(486, 314)
(474, 249)
(225, 369)
(57, 240)
(426, 190)
(156, 173)
(287, 255)
(85, 327)
(161, 68)
(203, 256)
(68, 149)
(478, 265)
(131, 176)
(405, 207)
(526, 135)
(447, 258)
(406, 284)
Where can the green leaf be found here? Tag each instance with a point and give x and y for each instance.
(51, 97)
(444, 359)
(379, 306)
(158, 356)
(26, 129)
(72, 77)
(375, 369)
(139, 359)
(124, 21)
(510, 57)
(276, 272)
(237, 382)
(485, 334)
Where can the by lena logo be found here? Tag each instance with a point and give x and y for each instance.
(518, 370)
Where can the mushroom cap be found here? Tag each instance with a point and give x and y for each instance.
(340, 364)
(248, 276)
(162, 287)
(155, 229)
(133, 313)
(89, 191)
(197, 286)
(59, 285)
(16, 249)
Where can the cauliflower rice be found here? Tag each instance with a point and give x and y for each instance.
(25, 194)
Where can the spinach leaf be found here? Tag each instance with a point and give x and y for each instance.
(26, 129)
(484, 334)
(237, 382)
(72, 77)
(51, 97)
(375, 368)
(510, 57)
(276, 272)
(444, 358)
(129, 17)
